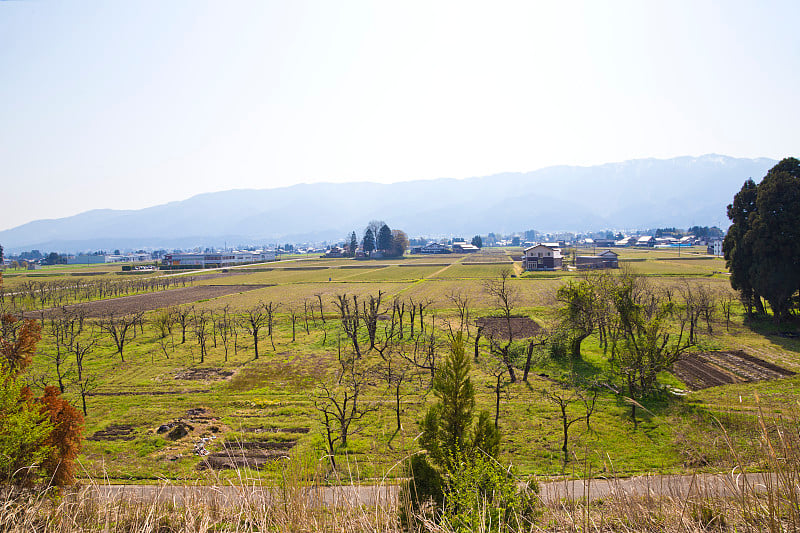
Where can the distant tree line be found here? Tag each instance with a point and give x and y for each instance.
(378, 237)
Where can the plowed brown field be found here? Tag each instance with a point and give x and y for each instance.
(710, 369)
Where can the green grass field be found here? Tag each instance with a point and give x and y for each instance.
(268, 398)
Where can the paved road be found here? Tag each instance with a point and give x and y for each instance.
(369, 495)
(677, 486)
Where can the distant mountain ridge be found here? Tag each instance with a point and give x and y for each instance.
(640, 193)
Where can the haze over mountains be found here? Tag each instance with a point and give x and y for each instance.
(641, 193)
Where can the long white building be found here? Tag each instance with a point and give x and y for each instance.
(216, 259)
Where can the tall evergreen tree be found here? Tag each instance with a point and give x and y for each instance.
(762, 248)
(447, 429)
(353, 244)
(477, 241)
(369, 242)
(384, 239)
(739, 256)
(774, 237)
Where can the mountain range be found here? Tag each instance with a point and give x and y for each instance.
(640, 193)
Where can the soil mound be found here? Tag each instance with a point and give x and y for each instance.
(246, 454)
(114, 432)
(205, 374)
(522, 327)
(175, 430)
(262, 429)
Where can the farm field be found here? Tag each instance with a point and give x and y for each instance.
(174, 384)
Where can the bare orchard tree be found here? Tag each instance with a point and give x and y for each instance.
(399, 310)
(222, 324)
(183, 316)
(422, 306)
(340, 403)
(371, 312)
(699, 303)
(505, 296)
(294, 316)
(387, 337)
(537, 342)
(164, 320)
(565, 396)
(321, 311)
(500, 386)
(350, 319)
(85, 380)
(254, 320)
(271, 309)
(306, 309)
(395, 372)
(65, 327)
(422, 354)
(200, 326)
(462, 303)
(120, 328)
(726, 302)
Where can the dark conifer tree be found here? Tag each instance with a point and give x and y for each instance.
(353, 244)
(368, 242)
(384, 239)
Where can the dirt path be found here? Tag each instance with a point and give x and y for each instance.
(551, 493)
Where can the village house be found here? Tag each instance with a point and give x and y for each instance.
(461, 247)
(432, 248)
(541, 257)
(607, 259)
(334, 251)
(714, 247)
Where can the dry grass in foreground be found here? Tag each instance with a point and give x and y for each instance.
(294, 504)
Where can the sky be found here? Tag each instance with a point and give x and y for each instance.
(125, 105)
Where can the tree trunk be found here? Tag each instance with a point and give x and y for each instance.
(477, 339)
(575, 345)
(528, 362)
(497, 403)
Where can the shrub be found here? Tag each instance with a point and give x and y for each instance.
(481, 495)
(24, 430)
(559, 345)
(64, 441)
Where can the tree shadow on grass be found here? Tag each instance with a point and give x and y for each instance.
(786, 334)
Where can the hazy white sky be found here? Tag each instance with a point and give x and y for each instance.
(126, 105)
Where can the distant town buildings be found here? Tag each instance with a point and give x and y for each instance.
(94, 259)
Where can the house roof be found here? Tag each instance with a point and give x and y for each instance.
(555, 249)
(548, 246)
(609, 252)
